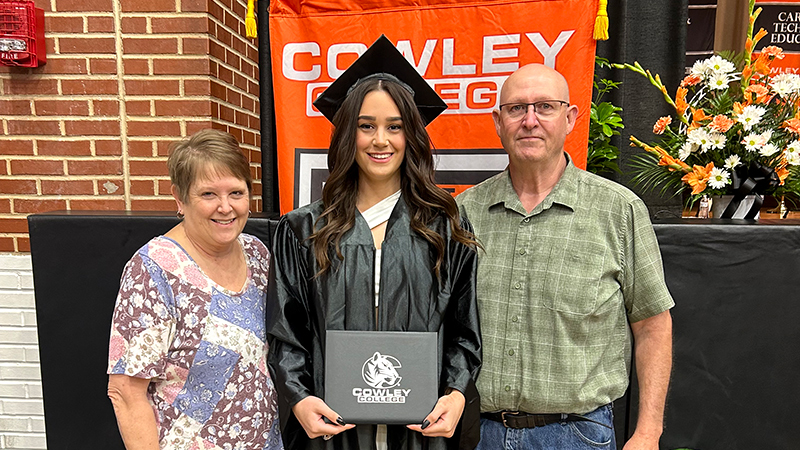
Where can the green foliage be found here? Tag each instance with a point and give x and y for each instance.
(650, 176)
(604, 122)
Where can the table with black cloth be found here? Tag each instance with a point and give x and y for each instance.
(735, 325)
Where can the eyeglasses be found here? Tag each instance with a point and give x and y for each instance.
(546, 109)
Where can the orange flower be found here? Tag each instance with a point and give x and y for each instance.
(761, 65)
(721, 123)
(773, 51)
(661, 125)
(668, 160)
(747, 73)
(761, 33)
(738, 108)
(698, 115)
(698, 178)
(690, 80)
(760, 91)
(793, 124)
(748, 45)
(680, 101)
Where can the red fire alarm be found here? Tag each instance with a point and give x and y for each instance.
(21, 34)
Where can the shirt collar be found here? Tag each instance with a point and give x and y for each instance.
(564, 193)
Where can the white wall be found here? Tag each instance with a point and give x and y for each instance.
(21, 410)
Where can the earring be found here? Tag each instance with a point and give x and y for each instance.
(249, 213)
(179, 214)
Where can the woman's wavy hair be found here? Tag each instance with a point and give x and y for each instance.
(425, 200)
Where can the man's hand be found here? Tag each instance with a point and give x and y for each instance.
(443, 420)
(310, 412)
(641, 442)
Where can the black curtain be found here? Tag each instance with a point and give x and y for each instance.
(269, 148)
(653, 33)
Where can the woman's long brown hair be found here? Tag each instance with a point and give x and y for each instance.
(425, 200)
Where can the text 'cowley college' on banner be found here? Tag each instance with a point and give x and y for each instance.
(465, 50)
(781, 21)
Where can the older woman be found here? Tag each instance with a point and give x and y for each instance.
(383, 250)
(187, 355)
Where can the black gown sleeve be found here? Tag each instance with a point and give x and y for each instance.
(289, 326)
(462, 353)
(462, 341)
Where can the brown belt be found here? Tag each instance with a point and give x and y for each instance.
(515, 419)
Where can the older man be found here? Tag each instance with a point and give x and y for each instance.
(570, 269)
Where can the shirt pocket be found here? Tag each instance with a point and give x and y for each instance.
(573, 279)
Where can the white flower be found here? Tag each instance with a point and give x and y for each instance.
(719, 178)
(785, 84)
(686, 149)
(794, 147)
(699, 68)
(750, 116)
(769, 149)
(716, 140)
(732, 161)
(230, 390)
(792, 158)
(698, 136)
(718, 64)
(718, 80)
(752, 142)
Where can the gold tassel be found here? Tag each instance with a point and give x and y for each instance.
(601, 22)
(250, 20)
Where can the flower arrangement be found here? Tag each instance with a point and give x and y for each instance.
(734, 131)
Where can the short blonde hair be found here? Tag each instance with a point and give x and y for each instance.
(206, 151)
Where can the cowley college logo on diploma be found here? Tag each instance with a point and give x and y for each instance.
(380, 373)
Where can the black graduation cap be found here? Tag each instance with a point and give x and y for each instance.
(382, 60)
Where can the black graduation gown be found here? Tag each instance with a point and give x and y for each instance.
(303, 306)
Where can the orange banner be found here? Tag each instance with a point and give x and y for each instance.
(465, 51)
(781, 21)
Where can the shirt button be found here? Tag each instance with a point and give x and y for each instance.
(517, 286)
(511, 352)
(527, 219)
(522, 251)
(515, 319)
(508, 388)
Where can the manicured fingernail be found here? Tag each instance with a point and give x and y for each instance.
(425, 424)
(341, 421)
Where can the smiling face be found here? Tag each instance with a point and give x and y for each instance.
(216, 210)
(380, 140)
(530, 139)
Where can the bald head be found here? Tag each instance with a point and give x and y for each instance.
(542, 77)
(535, 140)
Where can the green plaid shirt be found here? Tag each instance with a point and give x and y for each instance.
(557, 288)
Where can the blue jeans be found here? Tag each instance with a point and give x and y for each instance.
(576, 435)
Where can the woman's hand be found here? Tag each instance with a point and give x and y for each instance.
(442, 421)
(311, 413)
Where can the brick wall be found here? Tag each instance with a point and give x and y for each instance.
(91, 129)
(124, 78)
(21, 413)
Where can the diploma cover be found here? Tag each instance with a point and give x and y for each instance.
(381, 377)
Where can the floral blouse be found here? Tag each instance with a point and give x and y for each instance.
(203, 347)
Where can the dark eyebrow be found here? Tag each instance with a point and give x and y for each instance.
(388, 119)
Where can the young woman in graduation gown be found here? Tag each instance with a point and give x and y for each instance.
(336, 269)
